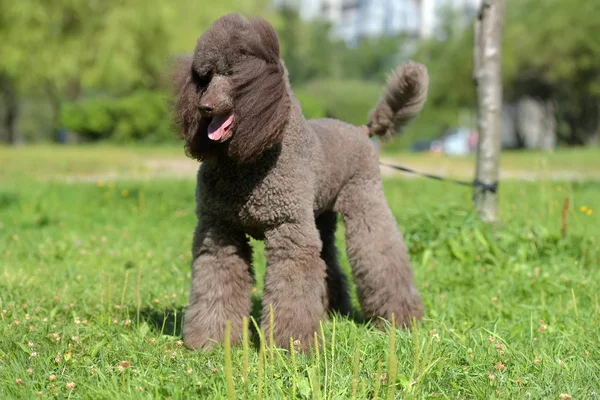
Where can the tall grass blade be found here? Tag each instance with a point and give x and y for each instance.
(377, 379)
(246, 355)
(392, 371)
(138, 295)
(355, 369)
(228, 363)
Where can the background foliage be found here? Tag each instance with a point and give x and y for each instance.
(100, 68)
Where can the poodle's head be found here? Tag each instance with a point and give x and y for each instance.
(231, 96)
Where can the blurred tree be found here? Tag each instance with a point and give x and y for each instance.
(554, 53)
(348, 100)
(372, 58)
(63, 49)
(332, 78)
(9, 107)
(69, 50)
(290, 34)
(311, 52)
(550, 52)
(57, 49)
(307, 47)
(448, 57)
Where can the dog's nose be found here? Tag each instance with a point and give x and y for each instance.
(205, 108)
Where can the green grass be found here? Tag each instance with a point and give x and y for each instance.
(143, 161)
(531, 165)
(59, 162)
(94, 279)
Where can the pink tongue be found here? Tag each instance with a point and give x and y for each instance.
(218, 126)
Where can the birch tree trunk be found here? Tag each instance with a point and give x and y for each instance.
(487, 76)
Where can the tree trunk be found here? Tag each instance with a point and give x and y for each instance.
(55, 102)
(487, 76)
(9, 100)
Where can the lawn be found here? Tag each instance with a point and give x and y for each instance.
(95, 272)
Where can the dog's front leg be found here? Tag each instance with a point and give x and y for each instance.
(221, 285)
(294, 284)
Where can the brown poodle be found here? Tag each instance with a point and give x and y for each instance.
(269, 173)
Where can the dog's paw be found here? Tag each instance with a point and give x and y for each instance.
(403, 310)
(200, 343)
(205, 331)
(302, 342)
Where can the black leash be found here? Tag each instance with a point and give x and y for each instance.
(487, 187)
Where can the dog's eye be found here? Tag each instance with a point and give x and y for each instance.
(201, 81)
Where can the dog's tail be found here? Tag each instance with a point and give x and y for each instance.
(402, 100)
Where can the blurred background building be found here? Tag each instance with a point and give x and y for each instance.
(353, 20)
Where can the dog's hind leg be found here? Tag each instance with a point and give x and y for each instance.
(377, 254)
(221, 285)
(338, 298)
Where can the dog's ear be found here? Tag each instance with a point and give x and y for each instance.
(185, 102)
(187, 118)
(261, 101)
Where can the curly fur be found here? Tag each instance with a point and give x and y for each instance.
(402, 101)
(283, 179)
